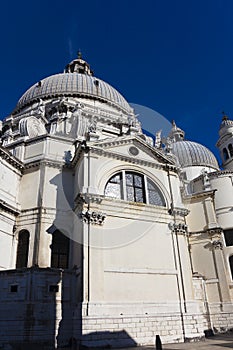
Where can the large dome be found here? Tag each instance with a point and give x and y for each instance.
(193, 154)
(77, 80)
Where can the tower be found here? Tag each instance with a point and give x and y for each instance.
(225, 143)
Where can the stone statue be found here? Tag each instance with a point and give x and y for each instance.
(40, 108)
(158, 140)
(93, 125)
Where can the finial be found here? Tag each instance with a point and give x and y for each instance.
(79, 65)
(173, 124)
(176, 133)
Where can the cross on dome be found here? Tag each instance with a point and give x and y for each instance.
(79, 54)
(224, 116)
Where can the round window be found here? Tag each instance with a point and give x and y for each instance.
(133, 151)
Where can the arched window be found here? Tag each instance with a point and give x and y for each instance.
(231, 265)
(225, 154)
(60, 250)
(22, 250)
(230, 148)
(114, 187)
(134, 187)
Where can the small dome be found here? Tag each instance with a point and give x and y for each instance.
(78, 81)
(226, 126)
(176, 134)
(193, 154)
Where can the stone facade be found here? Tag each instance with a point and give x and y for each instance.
(107, 237)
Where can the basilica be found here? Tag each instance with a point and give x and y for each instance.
(109, 237)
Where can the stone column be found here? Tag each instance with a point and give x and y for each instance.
(210, 213)
(219, 264)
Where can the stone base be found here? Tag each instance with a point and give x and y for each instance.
(140, 330)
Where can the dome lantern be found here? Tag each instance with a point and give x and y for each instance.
(78, 65)
(176, 133)
(226, 125)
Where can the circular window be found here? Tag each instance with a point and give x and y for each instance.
(133, 151)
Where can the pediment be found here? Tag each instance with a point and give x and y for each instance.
(134, 148)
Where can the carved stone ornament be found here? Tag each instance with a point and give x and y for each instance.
(217, 244)
(32, 127)
(168, 144)
(93, 125)
(40, 109)
(93, 217)
(132, 121)
(158, 139)
(134, 151)
(179, 228)
(179, 211)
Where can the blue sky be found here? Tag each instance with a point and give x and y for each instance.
(173, 56)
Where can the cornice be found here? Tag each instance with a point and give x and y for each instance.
(49, 136)
(94, 149)
(26, 141)
(220, 173)
(112, 207)
(9, 208)
(214, 174)
(106, 117)
(7, 156)
(209, 232)
(134, 160)
(48, 162)
(124, 140)
(179, 211)
(197, 195)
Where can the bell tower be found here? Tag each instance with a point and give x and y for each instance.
(225, 142)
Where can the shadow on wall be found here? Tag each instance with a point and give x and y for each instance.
(69, 312)
(28, 308)
(69, 331)
(101, 340)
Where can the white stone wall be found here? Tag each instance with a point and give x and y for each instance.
(7, 222)
(141, 330)
(223, 198)
(10, 177)
(9, 184)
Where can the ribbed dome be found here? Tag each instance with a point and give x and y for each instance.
(74, 84)
(194, 154)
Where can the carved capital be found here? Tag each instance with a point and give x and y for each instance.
(215, 233)
(217, 244)
(179, 211)
(92, 198)
(93, 217)
(179, 228)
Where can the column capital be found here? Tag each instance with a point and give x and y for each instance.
(178, 227)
